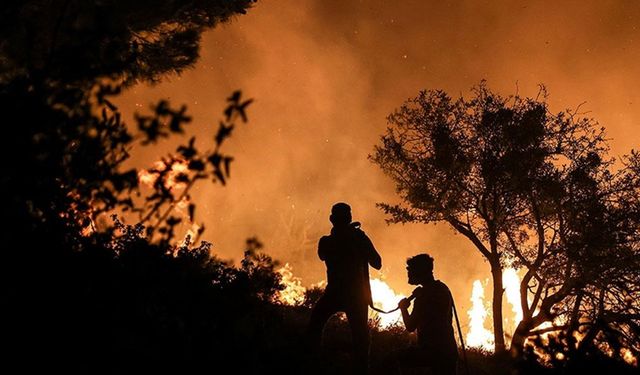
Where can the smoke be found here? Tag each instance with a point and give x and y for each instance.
(326, 73)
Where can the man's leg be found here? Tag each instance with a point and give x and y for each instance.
(437, 362)
(445, 366)
(322, 311)
(358, 321)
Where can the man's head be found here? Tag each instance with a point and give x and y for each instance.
(420, 269)
(340, 215)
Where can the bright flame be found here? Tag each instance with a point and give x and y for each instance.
(478, 336)
(511, 284)
(192, 233)
(294, 293)
(383, 296)
(386, 299)
(628, 357)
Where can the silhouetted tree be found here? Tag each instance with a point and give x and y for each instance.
(503, 172)
(587, 284)
(80, 290)
(75, 41)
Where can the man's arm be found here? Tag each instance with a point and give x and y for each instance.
(408, 320)
(442, 301)
(373, 257)
(322, 248)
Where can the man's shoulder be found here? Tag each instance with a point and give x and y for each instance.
(324, 239)
(435, 287)
(359, 234)
(441, 288)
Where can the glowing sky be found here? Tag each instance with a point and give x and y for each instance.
(326, 73)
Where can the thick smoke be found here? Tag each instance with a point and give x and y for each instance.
(325, 74)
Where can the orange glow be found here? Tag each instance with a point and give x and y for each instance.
(324, 81)
(511, 284)
(383, 296)
(293, 293)
(386, 299)
(192, 232)
(479, 336)
(629, 357)
(148, 177)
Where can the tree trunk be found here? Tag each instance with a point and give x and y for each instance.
(498, 330)
(520, 336)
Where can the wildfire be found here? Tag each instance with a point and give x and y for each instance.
(192, 232)
(628, 357)
(293, 293)
(478, 336)
(511, 283)
(385, 298)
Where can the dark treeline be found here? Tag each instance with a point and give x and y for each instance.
(86, 291)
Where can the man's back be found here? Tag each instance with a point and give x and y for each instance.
(347, 253)
(433, 313)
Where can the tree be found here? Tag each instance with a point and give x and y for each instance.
(60, 63)
(499, 171)
(587, 283)
(77, 42)
(65, 144)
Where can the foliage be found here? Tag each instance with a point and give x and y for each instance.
(85, 293)
(312, 295)
(80, 42)
(529, 188)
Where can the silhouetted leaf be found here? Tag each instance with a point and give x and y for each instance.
(196, 165)
(192, 209)
(182, 178)
(224, 132)
(189, 151)
(227, 162)
(173, 221)
(215, 160)
(241, 109)
(220, 176)
(235, 96)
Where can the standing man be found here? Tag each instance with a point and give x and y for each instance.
(431, 317)
(347, 252)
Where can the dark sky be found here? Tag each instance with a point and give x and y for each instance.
(326, 73)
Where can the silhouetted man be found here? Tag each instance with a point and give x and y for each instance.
(431, 317)
(347, 252)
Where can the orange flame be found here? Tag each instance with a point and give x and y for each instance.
(385, 298)
(511, 284)
(294, 293)
(478, 336)
(628, 357)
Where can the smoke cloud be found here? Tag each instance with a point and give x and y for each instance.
(326, 73)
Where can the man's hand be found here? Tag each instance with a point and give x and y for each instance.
(404, 304)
